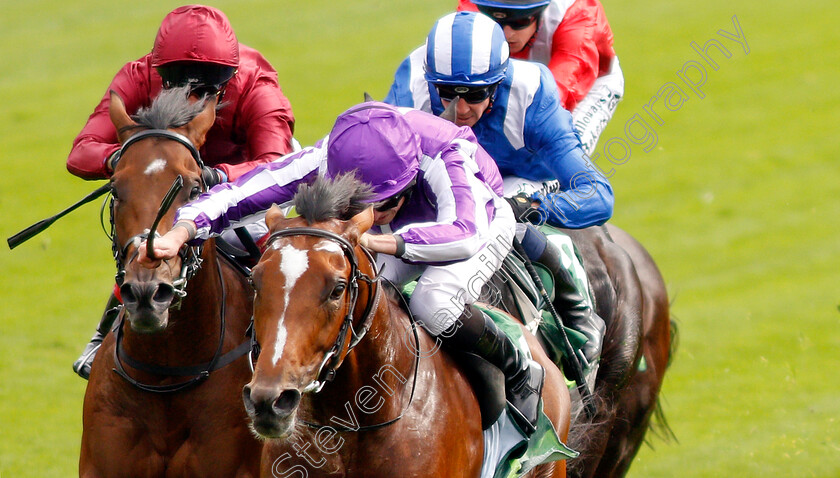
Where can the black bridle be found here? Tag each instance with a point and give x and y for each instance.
(190, 264)
(332, 359)
(190, 257)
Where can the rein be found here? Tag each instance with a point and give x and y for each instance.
(330, 364)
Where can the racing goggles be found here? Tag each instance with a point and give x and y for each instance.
(202, 78)
(515, 19)
(471, 94)
(394, 200)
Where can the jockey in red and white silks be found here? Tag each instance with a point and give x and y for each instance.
(574, 39)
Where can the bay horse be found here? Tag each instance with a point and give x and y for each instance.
(639, 343)
(174, 406)
(345, 384)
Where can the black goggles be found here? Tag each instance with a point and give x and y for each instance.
(517, 20)
(471, 94)
(394, 201)
(206, 90)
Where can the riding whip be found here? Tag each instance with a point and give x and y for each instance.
(39, 226)
(576, 368)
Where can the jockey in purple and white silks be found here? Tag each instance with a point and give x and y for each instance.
(439, 215)
(514, 109)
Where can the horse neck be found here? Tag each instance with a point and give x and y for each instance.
(376, 377)
(192, 334)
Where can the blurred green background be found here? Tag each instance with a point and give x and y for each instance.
(738, 201)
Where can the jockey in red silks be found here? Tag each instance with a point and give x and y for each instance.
(195, 46)
(573, 38)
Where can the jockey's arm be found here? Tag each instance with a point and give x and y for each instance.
(383, 243)
(585, 197)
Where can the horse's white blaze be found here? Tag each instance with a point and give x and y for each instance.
(155, 167)
(293, 263)
(328, 246)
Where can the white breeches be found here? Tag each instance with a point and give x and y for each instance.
(595, 110)
(442, 291)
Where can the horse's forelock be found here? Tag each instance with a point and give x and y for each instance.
(170, 109)
(340, 198)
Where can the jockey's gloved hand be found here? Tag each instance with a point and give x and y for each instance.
(523, 209)
(212, 176)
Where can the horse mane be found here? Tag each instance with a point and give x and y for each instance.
(170, 109)
(339, 198)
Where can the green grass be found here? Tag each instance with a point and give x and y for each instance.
(738, 203)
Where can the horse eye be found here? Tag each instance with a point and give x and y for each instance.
(338, 291)
(194, 193)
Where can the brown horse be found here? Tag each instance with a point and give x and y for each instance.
(630, 296)
(174, 406)
(344, 384)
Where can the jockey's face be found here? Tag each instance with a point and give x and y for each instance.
(468, 114)
(518, 39)
(386, 216)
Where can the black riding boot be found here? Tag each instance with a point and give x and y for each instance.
(478, 334)
(570, 304)
(82, 365)
(576, 312)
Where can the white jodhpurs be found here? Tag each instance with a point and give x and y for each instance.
(443, 291)
(594, 111)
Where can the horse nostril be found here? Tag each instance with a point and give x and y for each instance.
(127, 293)
(286, 402)
(246, 399)
(164, 293)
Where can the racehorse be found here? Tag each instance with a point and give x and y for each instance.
(631, 297)
(345, 384)
(174, 406)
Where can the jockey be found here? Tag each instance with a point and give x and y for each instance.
(574, 39)
(439, 219)
(514, 110)
(195, 46)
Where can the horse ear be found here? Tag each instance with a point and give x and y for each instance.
(368, 98)
(449, 113)
(273, 217)
(197, 129)
(120, 118)
(363, 220)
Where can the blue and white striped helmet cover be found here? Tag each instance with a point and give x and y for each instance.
(466, 48)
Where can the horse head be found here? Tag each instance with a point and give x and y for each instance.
(307, 297)
(159, 145)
